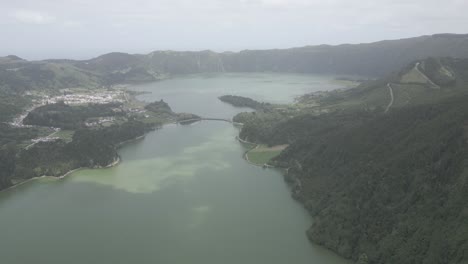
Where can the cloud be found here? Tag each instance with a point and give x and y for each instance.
(32, 17)
(141, 26)
(72, 24)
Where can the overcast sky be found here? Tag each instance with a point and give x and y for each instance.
(80, 29)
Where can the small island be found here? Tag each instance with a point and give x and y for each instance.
(240, 101)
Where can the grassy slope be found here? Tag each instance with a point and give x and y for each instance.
(65, 135)
(409, 87)
(263, 157)
(262, 154)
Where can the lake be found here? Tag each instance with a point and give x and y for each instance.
(183, 194)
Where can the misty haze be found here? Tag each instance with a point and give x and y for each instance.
(234, 131)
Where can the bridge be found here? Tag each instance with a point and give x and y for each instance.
(208, 119)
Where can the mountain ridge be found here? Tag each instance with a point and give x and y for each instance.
(366, 59)
(377, 182)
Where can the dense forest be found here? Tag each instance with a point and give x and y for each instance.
(14, 135)
(159, 107)
(89, 148)
(240, 101)
(273, 128)
(7, 166)
(11, 104)
(378, 183)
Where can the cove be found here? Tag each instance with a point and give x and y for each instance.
(183, 194)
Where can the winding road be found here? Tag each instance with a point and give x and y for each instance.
(389, 85)
(416, 67)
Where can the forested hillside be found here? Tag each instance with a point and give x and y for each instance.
(379, 183)
(390, 186)
(64, 116)
(21, 75)
(7, 166)
(84, 141)
(240, 101)
(372, 59)
(420, 82)
(393, 187)
(89, 148)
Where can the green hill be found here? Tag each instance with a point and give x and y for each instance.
(420, 82)
(391, 185)
(371, 59)
(20, 76)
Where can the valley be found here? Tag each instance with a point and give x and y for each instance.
(189, 181)
(375, 152)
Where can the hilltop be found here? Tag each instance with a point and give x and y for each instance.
(371, 59)
(419, 82)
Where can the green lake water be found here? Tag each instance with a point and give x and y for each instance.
(183, 194)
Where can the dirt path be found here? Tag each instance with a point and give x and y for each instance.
(48, 136)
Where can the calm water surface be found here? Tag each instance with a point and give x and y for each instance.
(181, 195)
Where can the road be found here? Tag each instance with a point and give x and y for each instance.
(391, 97)
(37, 140)
(416, 67)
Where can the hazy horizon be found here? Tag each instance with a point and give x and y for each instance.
(84, 57)
(82, 29)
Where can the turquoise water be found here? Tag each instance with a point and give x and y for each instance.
(183, 194)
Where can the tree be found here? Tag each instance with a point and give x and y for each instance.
(7, 165)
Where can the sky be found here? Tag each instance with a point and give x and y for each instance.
(82, 29)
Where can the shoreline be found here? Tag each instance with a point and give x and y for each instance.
(130, 140)
(121, 144)
(116, 162)
(112, 164)
(245, 155)
(246, 158)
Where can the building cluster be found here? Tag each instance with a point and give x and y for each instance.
(94, 98)
(99, 121)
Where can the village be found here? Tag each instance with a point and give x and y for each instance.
(76, 97)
